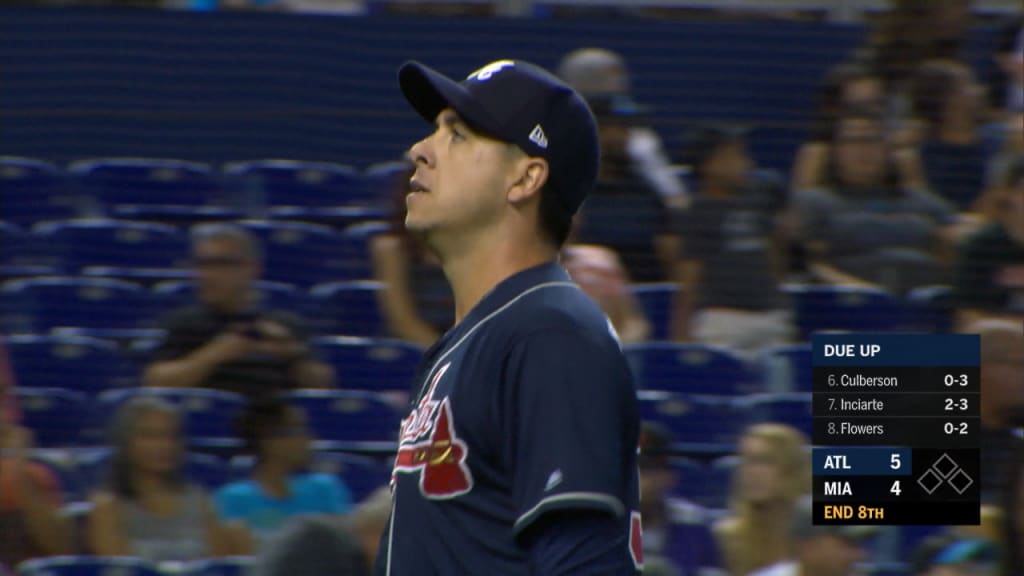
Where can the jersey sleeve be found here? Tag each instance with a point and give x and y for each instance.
(572, 425)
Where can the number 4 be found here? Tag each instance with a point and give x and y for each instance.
(895, 488)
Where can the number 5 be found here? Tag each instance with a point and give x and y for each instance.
(894, 462)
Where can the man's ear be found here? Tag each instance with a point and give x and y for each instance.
(530, 176)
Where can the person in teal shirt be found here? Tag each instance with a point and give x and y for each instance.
(280, 488)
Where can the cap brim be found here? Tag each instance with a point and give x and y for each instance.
(429, 92)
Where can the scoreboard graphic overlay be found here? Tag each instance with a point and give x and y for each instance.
(896, 428)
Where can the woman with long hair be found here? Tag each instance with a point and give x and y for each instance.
(774, 471)
(149, 510)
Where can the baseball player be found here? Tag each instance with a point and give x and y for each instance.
(519, 453)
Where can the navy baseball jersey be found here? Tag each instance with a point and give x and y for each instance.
(525, 407)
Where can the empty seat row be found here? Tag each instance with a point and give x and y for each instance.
(166, 189)
(126, 566)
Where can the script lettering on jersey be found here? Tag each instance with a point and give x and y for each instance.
(429, 447)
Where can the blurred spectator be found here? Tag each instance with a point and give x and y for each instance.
(344, 546)
(949, 101)
(600, 274)
(731, 262)
(675, 531)
(953, 556)
(773, 473)
(623, 212)
(277, 434)
(1008, 87)
(999, 173)
(599, 73)
(1013, 517)
(227, 340)
(1001, 402)
(31, 523)
(820, 550)
(149, 509)
(417, 300)
(867, 228)
(989, 278)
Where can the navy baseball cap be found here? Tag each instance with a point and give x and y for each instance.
(522, 104)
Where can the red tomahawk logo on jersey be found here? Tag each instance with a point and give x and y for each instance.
(441, 458)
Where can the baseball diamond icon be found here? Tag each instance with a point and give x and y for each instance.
(945, 470)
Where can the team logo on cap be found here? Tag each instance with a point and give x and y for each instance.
(538, 137)
(489, 70)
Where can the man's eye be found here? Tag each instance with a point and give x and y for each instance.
(457, 135)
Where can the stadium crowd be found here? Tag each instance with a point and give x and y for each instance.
(235, 394)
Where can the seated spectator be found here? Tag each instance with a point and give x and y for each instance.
(1000, 167)
(820, 550)
(417, 300)
(954, 155)
(148, 509)
(623, 212)
(675, 531)
(31, 523)
(866, 228)
(343, 546)
(228, 340)
(1013, 517)
(600, 274)
(598, 73)
(773, 473)
(989, 278)
(731, 252)
(1008, 89)
(280, 489)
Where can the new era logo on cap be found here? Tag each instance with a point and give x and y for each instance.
(491, 69)
(538, 137)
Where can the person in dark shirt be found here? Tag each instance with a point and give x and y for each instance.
(623, 212)
(989, 279)
(733, 239)
(1001, 402)
(227, 340)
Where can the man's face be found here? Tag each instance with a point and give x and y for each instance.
(730, 163)
(224, 271)
(460, 180)
(860, 151)
(830, 555)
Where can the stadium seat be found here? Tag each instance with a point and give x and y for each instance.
(15, 245)
(933, 309)
(787, 368)
(655, 300)
(384, 180)
(144, 276)
(57, 417)
(77, 244)
(34, 190)
(856, 309)
(793, 409)
(42, 304)
(273, 295)
(24, 271)
(374, 364)
(88, 566)
(356, 245)
(775, 147)
(361, 474)
(127, 183)
(338, 217)
(719, 481)
(690, 478)
(205, 470)
(349, 419)
(298, 184)
(209, 415)
(698, 424)
(689, 369)
(350, 308)
(233, 566)
(86, 365)
(298, 252)
(179, 215)
(61, 462)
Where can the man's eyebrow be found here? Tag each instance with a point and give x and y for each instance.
(451, 120)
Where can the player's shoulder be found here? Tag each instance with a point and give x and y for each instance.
(559, 309)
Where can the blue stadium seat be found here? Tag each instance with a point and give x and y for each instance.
(234, 566)
(856, 309)
(298, 252)
(15, 245)
(86, 365)
(374, 364)
(792, 408)
(144, 276)
(933, 309)
(42, 304)
(690, 478)
(338, 217)
(720, 477)
(384, 180)
(273, 295)
(689, 369)
(61, 462)
(88, 566)
(56, 416)
(298, 184)
(125, 183)
(35, 190)
(787, 368)
(356, 240)
(205, 470)
(655, 300)
(350, 308)
(209, 415)
(698, 424)
(77, 244)
(775, 147)
(24, 271)
(349, 419)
